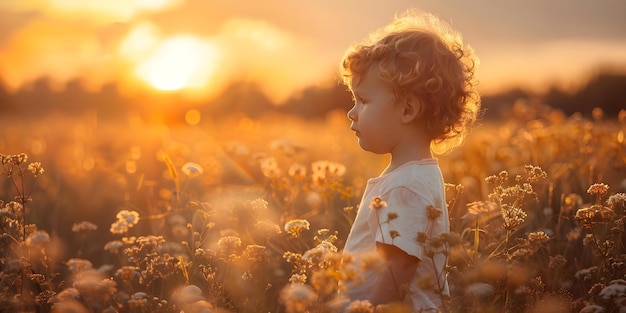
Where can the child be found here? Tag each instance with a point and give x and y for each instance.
(414, 92)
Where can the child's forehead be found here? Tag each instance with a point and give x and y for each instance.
(364, 81)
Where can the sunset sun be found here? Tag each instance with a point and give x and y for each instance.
(177, 63)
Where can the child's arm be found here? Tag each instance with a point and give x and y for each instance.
(392, 283)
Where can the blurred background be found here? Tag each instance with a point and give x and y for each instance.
(98, 91)
(160, 58)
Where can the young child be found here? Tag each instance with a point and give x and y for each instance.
(414, 92)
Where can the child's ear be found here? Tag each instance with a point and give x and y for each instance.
(411, 109)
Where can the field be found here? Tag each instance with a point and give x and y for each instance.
(235, 214)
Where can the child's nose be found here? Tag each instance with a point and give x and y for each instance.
(352, 113)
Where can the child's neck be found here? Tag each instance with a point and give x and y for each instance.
(398, 159)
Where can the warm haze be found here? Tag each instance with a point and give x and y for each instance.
(198, 47)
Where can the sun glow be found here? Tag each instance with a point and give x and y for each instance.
(179, 62)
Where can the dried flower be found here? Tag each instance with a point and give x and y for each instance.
(297, 298)
(297, 171)
(35, 168)
(377, 203)
(83, 226)
(598, 189)
(590, 216)
(617, 202)
(557, 261)
(480, 207)
(76, 265)
(433, 213)
(125, 220)
(229, 244)
(479, 290)
(615, 289)
(297, 278)
(113, 246)
(257, 204)
(513, 216)
(296, 226)
(37, 238)
(360, 306)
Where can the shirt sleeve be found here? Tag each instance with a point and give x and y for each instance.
(400, 220)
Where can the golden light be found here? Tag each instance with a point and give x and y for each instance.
(192, 117)
(179, 62)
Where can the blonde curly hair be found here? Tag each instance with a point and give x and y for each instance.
(418, 55)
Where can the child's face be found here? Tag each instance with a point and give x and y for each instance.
(375, 116)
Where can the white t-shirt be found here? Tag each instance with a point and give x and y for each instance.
(407, 191)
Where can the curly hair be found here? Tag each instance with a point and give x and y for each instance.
(421, 56)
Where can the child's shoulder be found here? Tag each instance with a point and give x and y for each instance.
(415, 176)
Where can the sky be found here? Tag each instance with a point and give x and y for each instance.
(198, 47)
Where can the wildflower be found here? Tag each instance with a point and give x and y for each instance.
(255, 253)
(377, 203)
(557, 261)
(513, 216)
(391, 216)
(479, 208)
(325, 282)
(360, 306)
(150, 241)
(615, 289)
(37, 238)
(297, 298)
(228, 244)
(297, 278)
(433, 213)
(268, 228)
(257, 204)
(324, 168)
(479, 290)
(589, 216)
(457, 188)
(269, 167)
(537, 238)
(18, 159)
(187, 295)
(138, 302)
(125, 220)
(83, 226)
(35, 168)
(129, 240)
(586, 274)
(422, 237)
(192, 169)
(297, 171)
(130, 217)
(451, 238)
(13, 206)
(295, 227)
(598, 189)
(76, 265)
(535, 173)
(393, 234)
(128, 273)
(68, 294)
(285, 146)
(617, 202)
